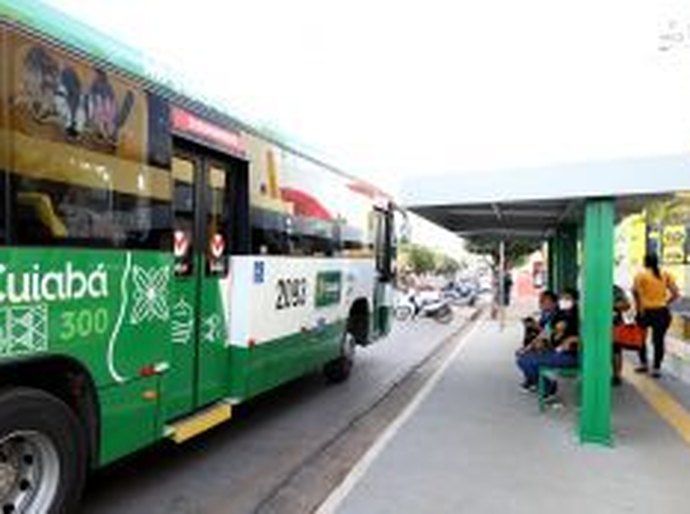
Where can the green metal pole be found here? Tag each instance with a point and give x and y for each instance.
(595, 418)
(551, 264)
(560, 260)
(580, 251)
(568, 253)
(557, 263)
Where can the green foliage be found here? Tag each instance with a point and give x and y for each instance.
(446, 265)
(668, 211)
(516, 251)
(420, 259)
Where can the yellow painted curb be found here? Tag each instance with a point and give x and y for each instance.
(661, 401)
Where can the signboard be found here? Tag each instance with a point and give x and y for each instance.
(217, 246)
(187, 123)
(673, 244)
(181, 244)
(60, 99)
(216, 255)
(328, 288)
(181, 252)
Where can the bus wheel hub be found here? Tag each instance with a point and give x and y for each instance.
(8, 473)
(29, 473)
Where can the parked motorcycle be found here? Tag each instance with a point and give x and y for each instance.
(461, 293)
(425, 304)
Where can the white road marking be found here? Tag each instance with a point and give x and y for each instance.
(338, 495)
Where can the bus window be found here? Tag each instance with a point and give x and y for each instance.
(276, 233)
(313, 237)
(79, 168)
(353, 241)
(270, 231)
(63, 213)
(183, 171)
(217, 220)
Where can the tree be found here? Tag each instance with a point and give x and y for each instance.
(446, 265)
(421, 259)
(515, 250)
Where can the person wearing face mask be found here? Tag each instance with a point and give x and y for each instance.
(566, 302)
(567, 321)
(562, 351)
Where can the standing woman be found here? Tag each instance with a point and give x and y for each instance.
(653, 291)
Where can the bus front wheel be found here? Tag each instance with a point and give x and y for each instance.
(338, 370)
(42, 454)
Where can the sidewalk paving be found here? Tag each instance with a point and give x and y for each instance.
(478, 444)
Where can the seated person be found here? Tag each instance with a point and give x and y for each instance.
(561, 347)
(548, 305)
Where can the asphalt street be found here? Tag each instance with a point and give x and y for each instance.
(235, 467)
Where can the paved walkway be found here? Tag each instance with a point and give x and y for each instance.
(478, 444)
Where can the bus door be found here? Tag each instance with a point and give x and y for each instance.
(384, 253)
(203, 204)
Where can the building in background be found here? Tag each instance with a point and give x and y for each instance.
(663, 227)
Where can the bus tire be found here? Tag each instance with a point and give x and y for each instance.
(338, 370)
(42, 453)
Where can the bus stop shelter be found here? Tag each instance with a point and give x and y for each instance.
(568, 206)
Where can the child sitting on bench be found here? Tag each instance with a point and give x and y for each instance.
(561, 350)
(535, 328)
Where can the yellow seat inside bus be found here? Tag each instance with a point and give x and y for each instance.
(42, 211)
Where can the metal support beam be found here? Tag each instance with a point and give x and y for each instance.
(551, 264)
(499, 233)
(502, 282)
(568, 211)
(566, 249)
(497, 211)
(595, 417)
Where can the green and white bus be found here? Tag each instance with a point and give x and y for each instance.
(160, 261)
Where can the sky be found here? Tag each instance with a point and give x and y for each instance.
(389, 90)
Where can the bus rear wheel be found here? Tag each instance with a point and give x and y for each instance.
(42, 454)
(338, 370)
